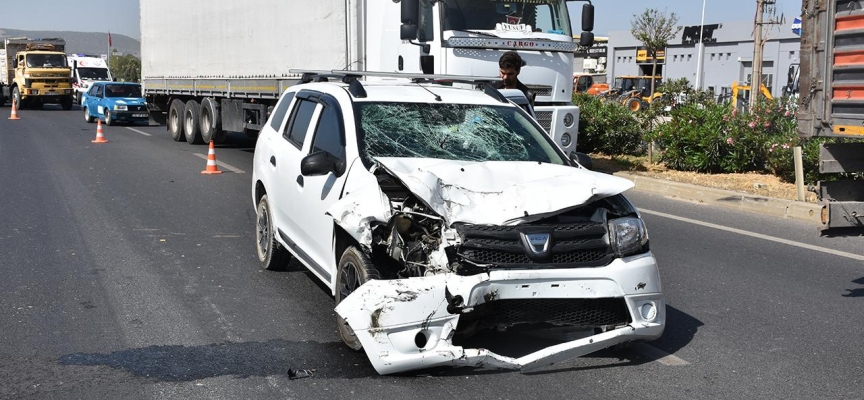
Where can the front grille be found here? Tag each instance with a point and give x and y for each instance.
(544, 118)
(540, 90)
(586, 313)
(137, 108)
(572, 244)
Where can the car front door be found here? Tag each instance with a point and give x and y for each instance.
(92, 101)
(317, 193)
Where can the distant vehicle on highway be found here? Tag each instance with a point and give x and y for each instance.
(86, 70)
(115, 102)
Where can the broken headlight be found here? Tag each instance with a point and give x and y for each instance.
(627, 236)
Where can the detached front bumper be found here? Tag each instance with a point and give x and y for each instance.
(409, 324)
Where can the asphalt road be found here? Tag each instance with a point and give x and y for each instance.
(125, 273)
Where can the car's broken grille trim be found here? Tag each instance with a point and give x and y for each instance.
(584, 313)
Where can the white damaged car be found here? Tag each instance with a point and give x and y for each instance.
(434, 213)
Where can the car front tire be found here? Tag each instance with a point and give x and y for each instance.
(355, 269)
(87, 116)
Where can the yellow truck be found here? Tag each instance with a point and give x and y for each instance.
(34, 72)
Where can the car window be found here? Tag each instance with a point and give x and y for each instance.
(295, 132)
(279, 113)
(328, 134)
(92, 90)
(98, 90)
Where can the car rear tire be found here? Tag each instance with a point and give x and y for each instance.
(271, 254)
(192, 122)
(175, 120)
(355, 269)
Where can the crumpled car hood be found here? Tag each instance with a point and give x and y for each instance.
(500, 192)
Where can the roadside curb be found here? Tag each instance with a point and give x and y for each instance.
(801, 211)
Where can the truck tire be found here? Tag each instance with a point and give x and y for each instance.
(192, 122)
(175, 120)
(271, 254)
(66, 103)
(2, 98)
(354, 269)
(16, 97)
(211, 122)
(633, 104)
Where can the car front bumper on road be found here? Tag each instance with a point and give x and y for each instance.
(409, 324)
(130, 116)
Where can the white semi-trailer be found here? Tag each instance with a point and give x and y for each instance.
(211, 69)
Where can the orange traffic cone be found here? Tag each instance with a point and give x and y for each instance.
(100, 136)
(211, 161)
(14, 110)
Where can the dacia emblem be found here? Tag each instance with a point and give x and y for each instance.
(536, 244)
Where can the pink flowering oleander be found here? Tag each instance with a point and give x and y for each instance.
(752, 124)
(729, 141)
(767, 125)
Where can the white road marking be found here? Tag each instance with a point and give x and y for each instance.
(223, 165)
(856, 257)
(658, 355)
(141, 132)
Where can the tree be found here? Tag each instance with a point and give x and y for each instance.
(125, 68)
(654, 29)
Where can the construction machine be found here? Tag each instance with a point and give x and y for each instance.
(741, 93)
(634, 92)
(593, 84)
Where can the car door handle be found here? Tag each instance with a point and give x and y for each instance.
(300, 180)
(273, 160)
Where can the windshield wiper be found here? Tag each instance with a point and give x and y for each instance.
(477, 33)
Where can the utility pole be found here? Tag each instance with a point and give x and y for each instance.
(701, 50)
(756, 75)
(759, 39)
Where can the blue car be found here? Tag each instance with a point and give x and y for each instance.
(115, 102)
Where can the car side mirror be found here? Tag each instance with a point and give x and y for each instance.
(582, 159)
(321, 163)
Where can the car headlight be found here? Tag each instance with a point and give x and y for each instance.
(627, 236)
(568, 120)
(120, 108)
(566, 139)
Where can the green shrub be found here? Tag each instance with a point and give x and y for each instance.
(606, 127)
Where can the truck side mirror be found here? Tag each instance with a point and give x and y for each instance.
(410, 17)
(588, 17)
(586, 39)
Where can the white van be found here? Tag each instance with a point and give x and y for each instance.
(86, 70)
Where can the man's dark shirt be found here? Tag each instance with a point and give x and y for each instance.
(521, 86)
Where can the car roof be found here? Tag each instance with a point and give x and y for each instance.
(403, 91)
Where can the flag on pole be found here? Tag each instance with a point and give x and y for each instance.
(109, 38)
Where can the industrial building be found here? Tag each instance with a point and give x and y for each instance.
(727, 57)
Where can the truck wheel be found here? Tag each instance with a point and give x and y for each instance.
(271, 254)
(175, 120)
(108, 119)
(66, 103)
(633, 104)
(16, 97)
(191, 122)
(2, 98)
(87, 117)
(211, 122)
(354, 269)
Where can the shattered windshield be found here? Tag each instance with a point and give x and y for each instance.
(46, 61)
(546, 16)
(97, 74)
(466, 132)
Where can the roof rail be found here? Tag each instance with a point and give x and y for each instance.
(356, 89)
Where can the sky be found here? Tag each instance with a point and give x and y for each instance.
(121, 16)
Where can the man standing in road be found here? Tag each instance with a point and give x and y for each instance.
(509, 66)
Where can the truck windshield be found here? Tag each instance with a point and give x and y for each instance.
(96, 74)
(546, 16)
(46, 61)
(453, 132)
